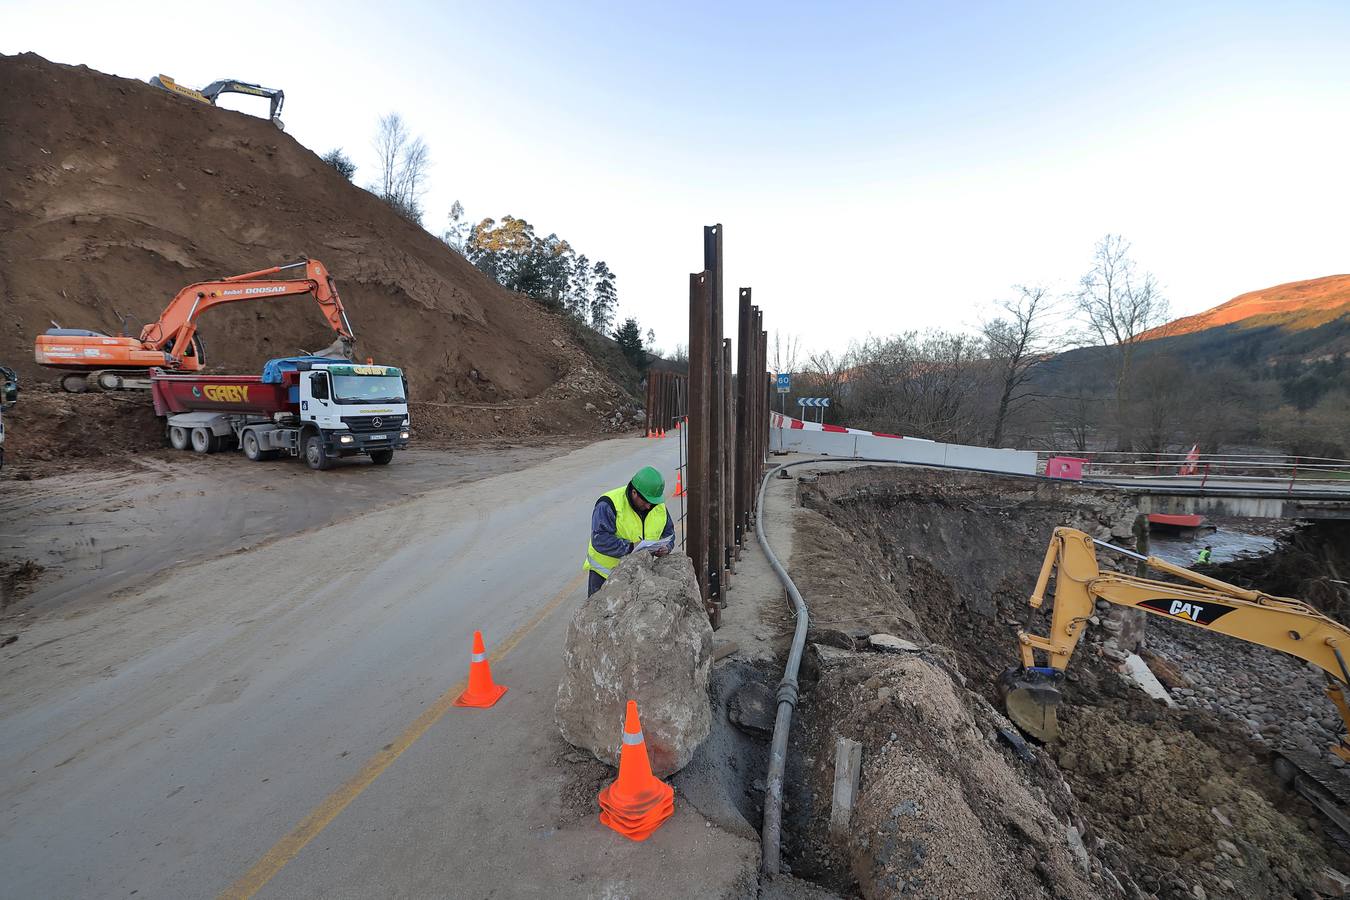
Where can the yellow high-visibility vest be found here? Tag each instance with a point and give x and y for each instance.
(629, 526)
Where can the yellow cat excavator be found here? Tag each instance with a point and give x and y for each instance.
(1031, 692)
(208, 94)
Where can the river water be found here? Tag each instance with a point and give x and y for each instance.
(1226, 545)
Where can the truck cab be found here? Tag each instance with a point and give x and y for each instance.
(347, 409)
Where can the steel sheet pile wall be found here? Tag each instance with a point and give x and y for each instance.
(728, 426)
(667, 401)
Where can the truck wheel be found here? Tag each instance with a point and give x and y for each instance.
(315, 458)
(178, 437)
(382, 457)
(252, 448)
(203, 441)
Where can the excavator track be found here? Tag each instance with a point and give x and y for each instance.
(1322, 785)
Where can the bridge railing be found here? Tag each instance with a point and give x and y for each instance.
(1210, 469)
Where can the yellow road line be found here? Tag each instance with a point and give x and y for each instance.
(286, 849)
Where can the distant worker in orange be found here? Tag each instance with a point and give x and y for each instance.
(627, 519)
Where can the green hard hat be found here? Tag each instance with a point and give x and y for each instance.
(650, 484)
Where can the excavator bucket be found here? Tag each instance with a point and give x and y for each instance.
(342, 348)
(1030, 697)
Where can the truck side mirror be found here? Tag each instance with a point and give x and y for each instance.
(318, 385)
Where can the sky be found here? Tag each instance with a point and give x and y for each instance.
(877, 168)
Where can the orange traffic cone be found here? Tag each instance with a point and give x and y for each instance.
(481, 692)
(637, 802)
(663, 432)
(679, 484)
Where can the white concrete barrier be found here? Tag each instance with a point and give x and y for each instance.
(900, 449)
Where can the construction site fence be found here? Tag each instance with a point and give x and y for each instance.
(1214, 468)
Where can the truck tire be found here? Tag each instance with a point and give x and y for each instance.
(315, 458)
(203, 441)
(178, 437)
(252, 447)
(382, 457)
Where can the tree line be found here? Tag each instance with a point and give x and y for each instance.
(1074, 371)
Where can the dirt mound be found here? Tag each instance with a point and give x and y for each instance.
(49, 431)
(115, 194)
(1296, 306)
(1174, 800)
(944, 810)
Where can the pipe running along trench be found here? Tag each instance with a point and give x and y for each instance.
(771, 831)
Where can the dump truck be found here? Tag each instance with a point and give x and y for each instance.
(317, 408)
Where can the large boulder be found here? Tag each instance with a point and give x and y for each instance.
(644, 636)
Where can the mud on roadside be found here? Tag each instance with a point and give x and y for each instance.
(1166, 802)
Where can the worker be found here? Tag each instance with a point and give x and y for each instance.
(628, 518)
(1203, 558)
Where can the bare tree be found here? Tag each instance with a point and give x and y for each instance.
(1119, 305)
(1073, 417)
(826, 376)
(1161, 404)
(786, 350)
(929, 384)
(403, 162)
(1017, 342)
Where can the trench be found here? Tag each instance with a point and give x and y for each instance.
(1135, 798)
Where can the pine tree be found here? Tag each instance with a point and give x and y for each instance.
(579, 297)
(604, 299)
(629, 337)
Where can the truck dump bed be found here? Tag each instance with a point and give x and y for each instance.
(243, 394)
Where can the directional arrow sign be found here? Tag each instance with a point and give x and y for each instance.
(813, 401)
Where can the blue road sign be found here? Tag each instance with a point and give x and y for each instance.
(784, 382)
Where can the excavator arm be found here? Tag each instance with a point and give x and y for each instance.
(1291, 626)
(231, 86)
(173, 332)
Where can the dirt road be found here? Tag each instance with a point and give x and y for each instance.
(97, 532)
(278, 721)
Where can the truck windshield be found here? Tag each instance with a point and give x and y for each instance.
(368, 389)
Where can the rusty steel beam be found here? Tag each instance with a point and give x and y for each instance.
(728, 466)
(699, 486)
(717, 425)
(744, 411)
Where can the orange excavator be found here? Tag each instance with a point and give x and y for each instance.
(93, 359)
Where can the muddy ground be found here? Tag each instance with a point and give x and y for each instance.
(1139, 798)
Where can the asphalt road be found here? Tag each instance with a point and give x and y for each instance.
(278, 722)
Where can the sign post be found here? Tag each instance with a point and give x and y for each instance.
(818, 402)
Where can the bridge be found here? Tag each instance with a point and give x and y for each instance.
(1263, 486)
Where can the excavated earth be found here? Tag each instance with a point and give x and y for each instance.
(115, 194)
(1136, 799)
